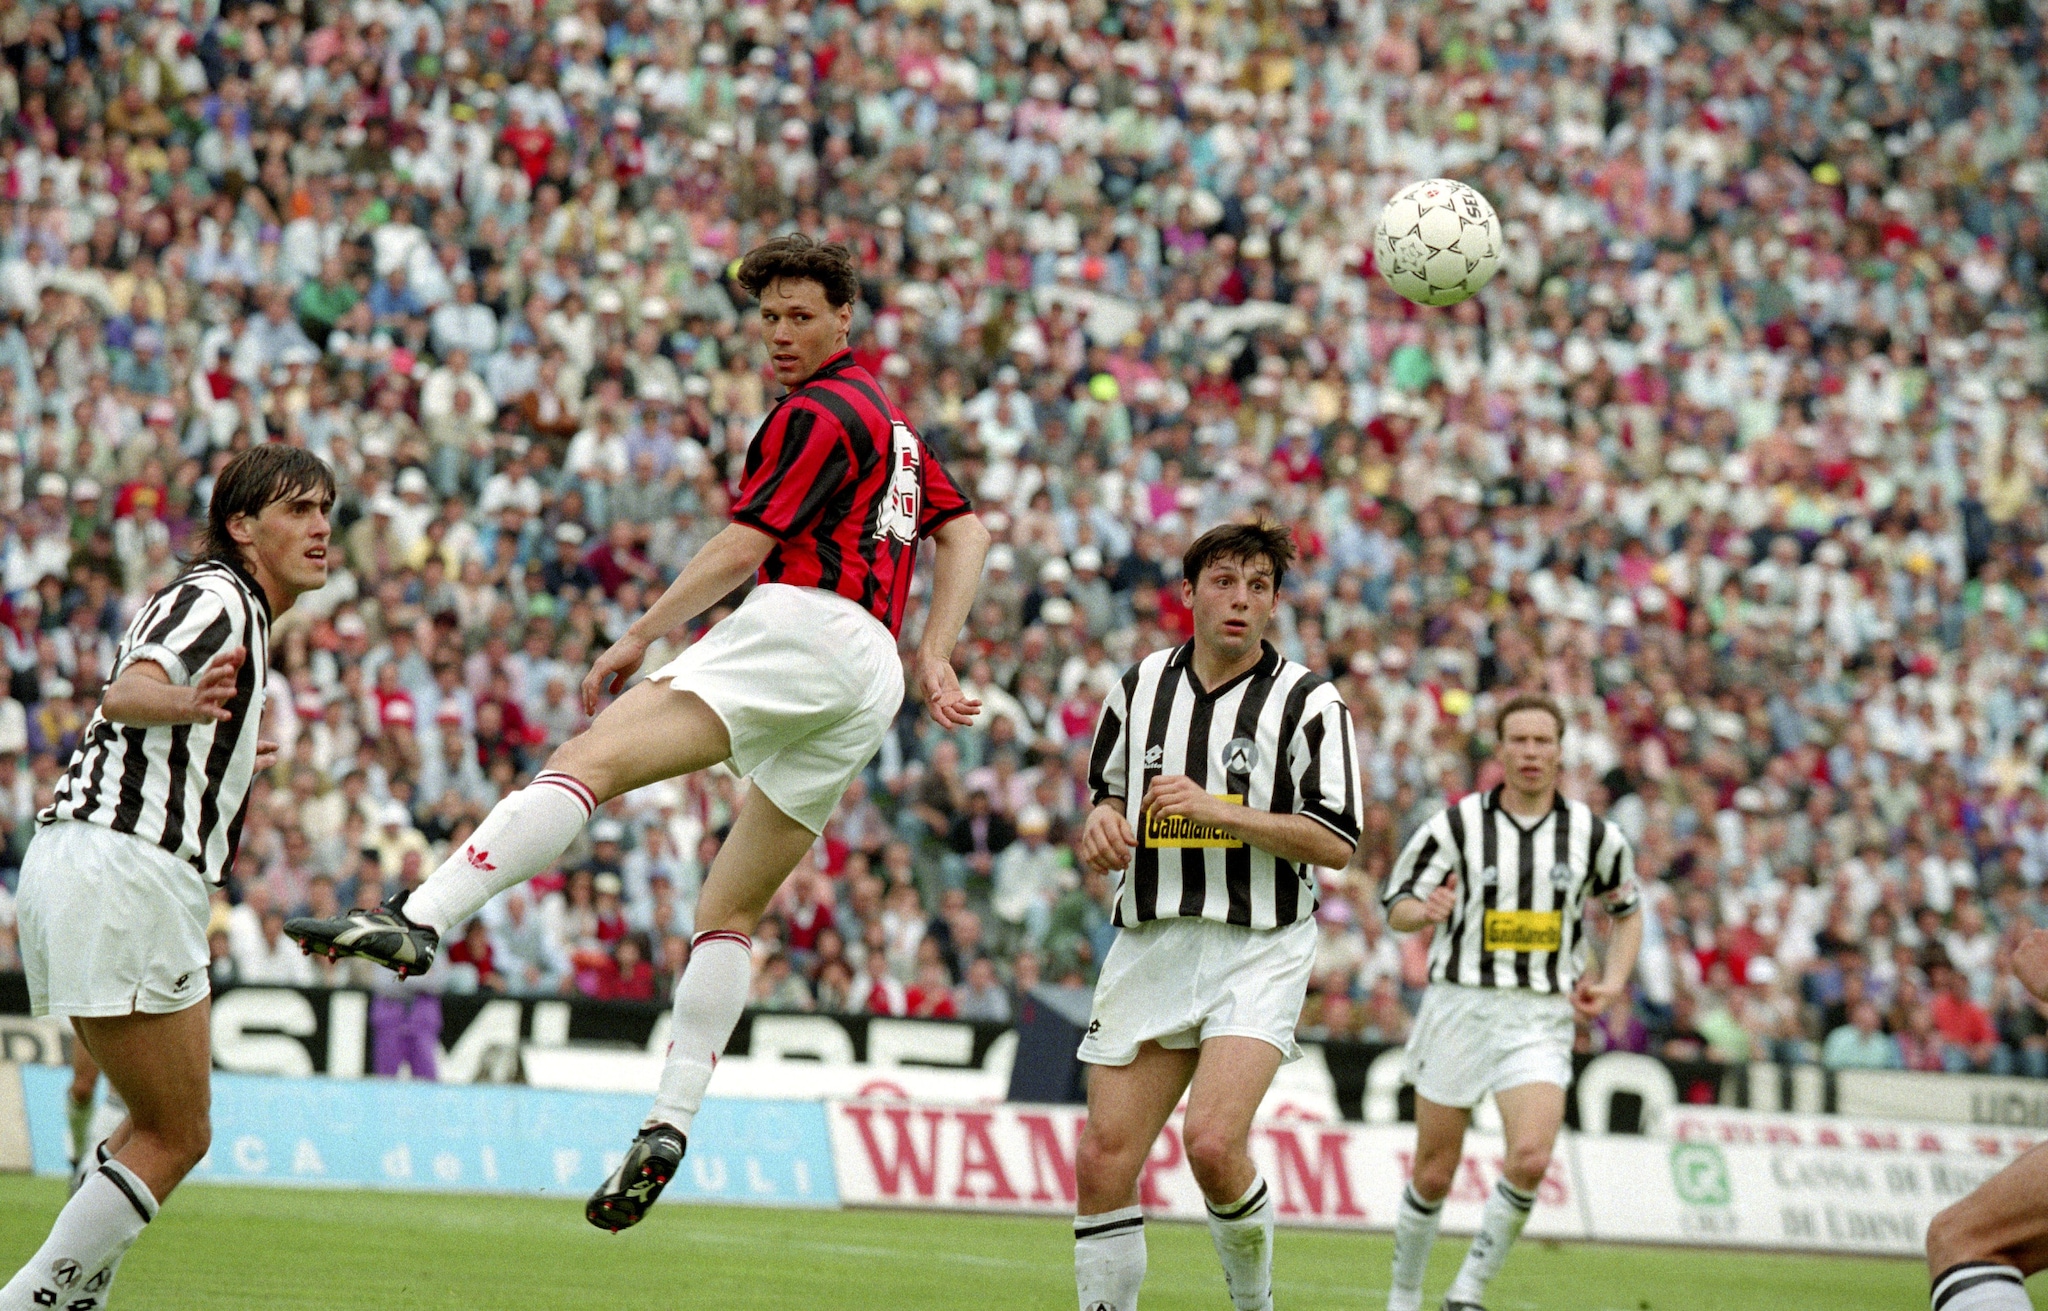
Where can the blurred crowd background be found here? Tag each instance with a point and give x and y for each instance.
(1740, 456)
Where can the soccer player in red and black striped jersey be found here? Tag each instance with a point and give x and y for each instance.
(796, 688)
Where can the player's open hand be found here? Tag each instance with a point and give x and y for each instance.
(1442, 900)
(1594, 996)
(608, 674)
(2030, 963)
(1181, 797)
(949, 706)
(215, 687)
(1106, 839)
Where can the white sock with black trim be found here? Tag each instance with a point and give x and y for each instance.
(1499, 1226)
(1981, 1286)
(1243, 1234)
(525, 833)
(1109, 1259)
(1414, 1234)
(74, 1267)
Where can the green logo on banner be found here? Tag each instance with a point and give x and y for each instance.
(1700, 1174)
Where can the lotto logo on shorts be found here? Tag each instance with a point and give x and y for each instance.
(1524, 930)
(1178, 831)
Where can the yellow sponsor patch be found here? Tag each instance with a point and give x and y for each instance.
(1178, 831)
(1524, 930)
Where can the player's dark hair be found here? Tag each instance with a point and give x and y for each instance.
(259, 476)
(1528, 701)
(1244, 543)
(798, 257)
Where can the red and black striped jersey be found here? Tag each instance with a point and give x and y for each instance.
(846, 489)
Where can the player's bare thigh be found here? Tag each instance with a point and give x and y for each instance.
(1530, 1116)
(2004, 1220)
(1230, 1081)
(1439, 1146)
(1127, 1107)
(653, 732)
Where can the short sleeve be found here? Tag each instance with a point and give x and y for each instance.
(1423, 865)
(1109, 756)
(1615, 881)
(183, 629)
(942, 500)
(797, 464)
(1324, 760)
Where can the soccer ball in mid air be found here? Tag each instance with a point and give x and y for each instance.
(1437, 242)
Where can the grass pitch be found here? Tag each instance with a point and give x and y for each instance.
(217, 1246)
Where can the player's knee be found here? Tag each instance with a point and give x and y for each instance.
(1526, 1165)
(1950, 1239)
(1103, 1157)
(585, 761)
(185, 1139)
(1212, 1151)
(1433, 1173)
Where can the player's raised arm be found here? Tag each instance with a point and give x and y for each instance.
(962, 544)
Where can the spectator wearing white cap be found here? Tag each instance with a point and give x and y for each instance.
(1003, 417)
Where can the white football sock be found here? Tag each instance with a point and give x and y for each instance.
(1981, 1286)
(1109, 1259)
(92, 1231)
(1499, 1226)
(1243, 1233)
(523, 835)
(709, 998)
(1414, 1234)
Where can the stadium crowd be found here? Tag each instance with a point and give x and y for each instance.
(1741, 456)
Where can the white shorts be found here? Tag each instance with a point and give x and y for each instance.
(110, 925)
(1181, 982)
(807, 683)
(1470, 1042)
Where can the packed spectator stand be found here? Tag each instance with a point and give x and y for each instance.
(1741, 455)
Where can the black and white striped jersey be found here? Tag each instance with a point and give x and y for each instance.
(1522, 890)
(182, 787)
(1278, 737)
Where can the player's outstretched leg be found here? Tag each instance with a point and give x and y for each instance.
(651, 733)
(763, 847)
(1530, 1115)
(1981, 1250)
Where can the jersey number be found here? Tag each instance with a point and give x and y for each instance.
(898, 518)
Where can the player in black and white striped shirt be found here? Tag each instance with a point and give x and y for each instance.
(1222, 776)
(1505, 876)
(115, 887)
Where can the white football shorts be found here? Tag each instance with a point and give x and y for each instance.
(110, 924)
(807, 683)
(1181, 982)
(1471, 1042)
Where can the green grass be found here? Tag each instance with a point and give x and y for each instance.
(218, 1246)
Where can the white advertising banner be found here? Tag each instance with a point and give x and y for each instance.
(1825, 1199)
(1021, 1158)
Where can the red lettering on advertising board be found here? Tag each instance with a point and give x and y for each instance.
(1048, 1155)
(1329, 1178)
(978, 1156)
(891, 1167)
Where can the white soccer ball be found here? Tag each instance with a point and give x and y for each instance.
(1437, 242)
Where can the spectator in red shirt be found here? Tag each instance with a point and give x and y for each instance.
(813, 914)
(625, 975)
(475, 951)
(619, 558)
(1969, 1040)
